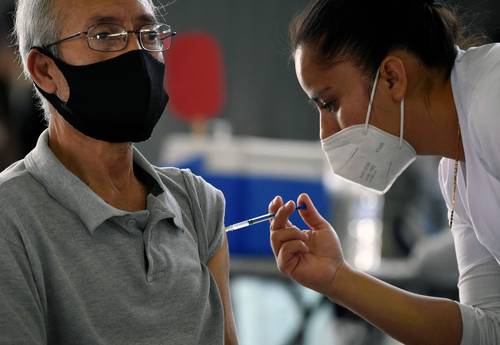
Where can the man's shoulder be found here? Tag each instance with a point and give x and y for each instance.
(18, 190)
(18, 187)
(183, 183)
(15, 178)
(172, 173)
(184, 179)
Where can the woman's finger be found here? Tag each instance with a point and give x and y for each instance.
(280, 220)
(280, 236)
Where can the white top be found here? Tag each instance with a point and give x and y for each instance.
(476, 227)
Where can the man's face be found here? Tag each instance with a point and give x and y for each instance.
(79, 15)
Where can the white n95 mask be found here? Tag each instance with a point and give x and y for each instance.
(367, 155)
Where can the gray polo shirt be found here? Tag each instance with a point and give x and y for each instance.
(74, 270)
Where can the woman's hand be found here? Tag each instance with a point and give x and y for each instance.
(312, 257)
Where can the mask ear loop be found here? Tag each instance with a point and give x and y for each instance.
(402, 124)
(370, 104)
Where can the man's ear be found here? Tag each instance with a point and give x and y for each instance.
(394, 76)
(43, 70)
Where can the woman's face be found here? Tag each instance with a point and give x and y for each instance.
(341, 94)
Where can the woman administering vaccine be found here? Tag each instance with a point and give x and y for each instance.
(391, 83)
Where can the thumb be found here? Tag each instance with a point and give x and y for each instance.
(310, 214)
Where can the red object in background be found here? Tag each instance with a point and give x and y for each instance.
(194, 77)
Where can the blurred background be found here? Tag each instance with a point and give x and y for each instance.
(238, 117)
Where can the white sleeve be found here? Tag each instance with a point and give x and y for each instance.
(479, 281)
(479, 287)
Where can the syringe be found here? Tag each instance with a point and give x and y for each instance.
(256, 220)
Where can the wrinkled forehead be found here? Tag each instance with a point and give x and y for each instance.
(78, 15)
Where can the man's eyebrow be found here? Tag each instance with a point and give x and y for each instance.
(102, 19)
(146, 18)
(143, 19)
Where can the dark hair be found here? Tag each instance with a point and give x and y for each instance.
(367, 30)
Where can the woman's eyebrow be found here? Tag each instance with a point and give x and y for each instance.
(316, 96)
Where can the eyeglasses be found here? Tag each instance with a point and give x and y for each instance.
(113, 37)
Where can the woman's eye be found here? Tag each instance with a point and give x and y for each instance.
(330, 106)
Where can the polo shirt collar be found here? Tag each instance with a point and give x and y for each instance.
(162, 199)
(76, 196)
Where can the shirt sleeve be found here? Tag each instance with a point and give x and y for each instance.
(210, 212)
(479, 280)
(213, 210)
(479, 288)
(21, 315)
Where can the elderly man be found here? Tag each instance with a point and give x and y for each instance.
(97, 246)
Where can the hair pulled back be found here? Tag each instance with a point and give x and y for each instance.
(366, 31)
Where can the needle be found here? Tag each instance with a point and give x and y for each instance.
(256, 220)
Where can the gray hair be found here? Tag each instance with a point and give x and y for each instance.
(37, 23)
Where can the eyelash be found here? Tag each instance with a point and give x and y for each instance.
(330, 106)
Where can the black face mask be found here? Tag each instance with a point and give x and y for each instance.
(117, 100)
